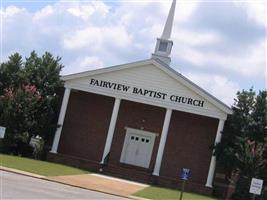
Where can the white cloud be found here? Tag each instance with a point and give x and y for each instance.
(184, 10)
(85, 11)
(43, 13)
(84, 63)
(256, 10)
(98, 33)
(91, 62)
(191, 38)
(250, 63)
(11, 11)
(97, 38)
(80, 12)
(219, 86)
(191, 55)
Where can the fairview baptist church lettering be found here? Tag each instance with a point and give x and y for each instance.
(146, 92)
(143, 107)
(141, 121)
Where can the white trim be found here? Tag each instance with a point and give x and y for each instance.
(213, 157)
(172, 73)
(61, 120)
(141, 133)
(111, 129)
(162, 142)
(208, 113)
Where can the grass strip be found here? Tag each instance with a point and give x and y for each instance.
(38, 167)
(158, 193)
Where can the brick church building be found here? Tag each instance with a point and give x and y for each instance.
(142, 121)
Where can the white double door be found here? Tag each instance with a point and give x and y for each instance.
(137, 148)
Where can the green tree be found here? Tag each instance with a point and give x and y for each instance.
(18, 113)
(11, 73)
(34, 86)
(43, 72)
(244, 143)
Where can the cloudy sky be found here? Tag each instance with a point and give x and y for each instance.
(220, 45)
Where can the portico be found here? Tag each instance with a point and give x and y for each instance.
(140, 120)
(210, 108)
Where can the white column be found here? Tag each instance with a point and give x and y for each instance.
(111, 129)
(61, 119)
(213, 158)
(162, 142)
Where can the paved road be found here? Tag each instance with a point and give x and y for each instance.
(14, 186)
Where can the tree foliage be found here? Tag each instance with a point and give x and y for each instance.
(243, 148)
(11, 74)
(29, 99)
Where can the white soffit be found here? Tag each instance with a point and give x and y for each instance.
(150, 82)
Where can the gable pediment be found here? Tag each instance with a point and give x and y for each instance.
(145, 82)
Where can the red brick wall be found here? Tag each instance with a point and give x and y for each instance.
(188, 142)
(137, 116)
(86, 125)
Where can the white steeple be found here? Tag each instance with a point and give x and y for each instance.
(164, 45)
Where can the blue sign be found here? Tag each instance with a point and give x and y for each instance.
(185, 173)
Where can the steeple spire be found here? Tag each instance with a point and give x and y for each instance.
(166, 34)
(164, 45)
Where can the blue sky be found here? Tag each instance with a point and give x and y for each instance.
(219, 45)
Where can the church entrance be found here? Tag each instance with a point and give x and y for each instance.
(137, 148)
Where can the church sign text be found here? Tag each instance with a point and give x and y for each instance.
(146, 93)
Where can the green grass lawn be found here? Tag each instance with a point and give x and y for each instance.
(38, 167)
(52, 169)
(157, 193)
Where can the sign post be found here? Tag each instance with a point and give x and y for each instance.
(2, 132)
(255, 186)
(185, 173)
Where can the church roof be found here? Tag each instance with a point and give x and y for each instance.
(185, 82)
